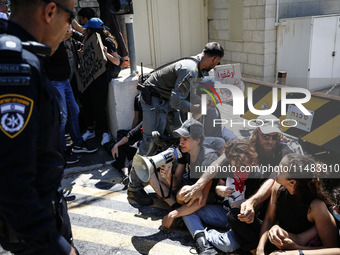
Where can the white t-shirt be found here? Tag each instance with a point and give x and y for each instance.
(3, 16)
(236, 196)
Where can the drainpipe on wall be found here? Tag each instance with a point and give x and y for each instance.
(277, 23)
(131, 43)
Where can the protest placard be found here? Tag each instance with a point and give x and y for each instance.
(92, 62)
(228, 74)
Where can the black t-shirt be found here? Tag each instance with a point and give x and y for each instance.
(138, 108)
(105, 77)
(58, 66)
(204, 159)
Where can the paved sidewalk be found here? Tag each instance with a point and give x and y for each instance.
(90, 161)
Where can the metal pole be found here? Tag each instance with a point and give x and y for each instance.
(131, 43)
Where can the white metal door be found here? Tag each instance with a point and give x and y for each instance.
(321, 59)
(165, 30)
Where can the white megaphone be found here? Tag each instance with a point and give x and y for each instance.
(144, 166)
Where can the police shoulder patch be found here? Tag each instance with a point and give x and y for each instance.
(15, 112)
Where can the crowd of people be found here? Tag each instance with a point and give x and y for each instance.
(233, 211)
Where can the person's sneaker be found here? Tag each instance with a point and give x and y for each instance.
(126, 63)
(88, 135)
(70, 158)
(140, 196)
(105, 138)
(84, 147)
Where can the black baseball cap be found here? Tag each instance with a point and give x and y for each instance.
(190, 127)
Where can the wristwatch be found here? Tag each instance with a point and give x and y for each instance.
(301, 252)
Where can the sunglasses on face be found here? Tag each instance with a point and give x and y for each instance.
(65, 9)
(267, 137)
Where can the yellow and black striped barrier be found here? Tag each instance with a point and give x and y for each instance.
(321, 128)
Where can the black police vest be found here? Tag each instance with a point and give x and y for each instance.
(14, 70)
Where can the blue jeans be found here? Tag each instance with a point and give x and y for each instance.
(69, 113)
(213, 216)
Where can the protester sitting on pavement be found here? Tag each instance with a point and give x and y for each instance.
(283, 239)
(125, 149)
(235, 186)
(128, 141)
(95, 95)
(58, 71)
(270, 149)
(298, 202)
(168, 89)
(195, 155)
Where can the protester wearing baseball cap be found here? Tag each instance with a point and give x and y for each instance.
(95, 95)
(268, 124)
(95, 23)
(191, 127)
(195, 155)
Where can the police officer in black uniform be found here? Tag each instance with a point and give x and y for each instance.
(33, 212)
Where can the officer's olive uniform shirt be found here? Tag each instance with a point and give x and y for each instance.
(168, 82)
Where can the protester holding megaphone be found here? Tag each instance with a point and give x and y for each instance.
(172, 181)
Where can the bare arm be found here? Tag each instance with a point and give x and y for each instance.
(177, 177)
(325, 225)
(186, 210)
(268, 221)
(247, 212)
(114, 150)
(113, 57)
(77, 27)
(281, 238)
(329, 251)
(195, 190)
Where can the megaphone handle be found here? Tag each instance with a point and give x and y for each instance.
(160, 186)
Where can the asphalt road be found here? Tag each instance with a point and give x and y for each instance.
(105, 222)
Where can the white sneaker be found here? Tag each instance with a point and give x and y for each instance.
(88, 135)
(106, 138)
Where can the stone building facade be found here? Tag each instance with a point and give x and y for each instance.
(255, 49)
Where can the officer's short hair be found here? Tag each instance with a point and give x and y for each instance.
(24, 5)
(214, 49)
(87, 12)
(31, 5)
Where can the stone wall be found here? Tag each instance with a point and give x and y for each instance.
(257, 52)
